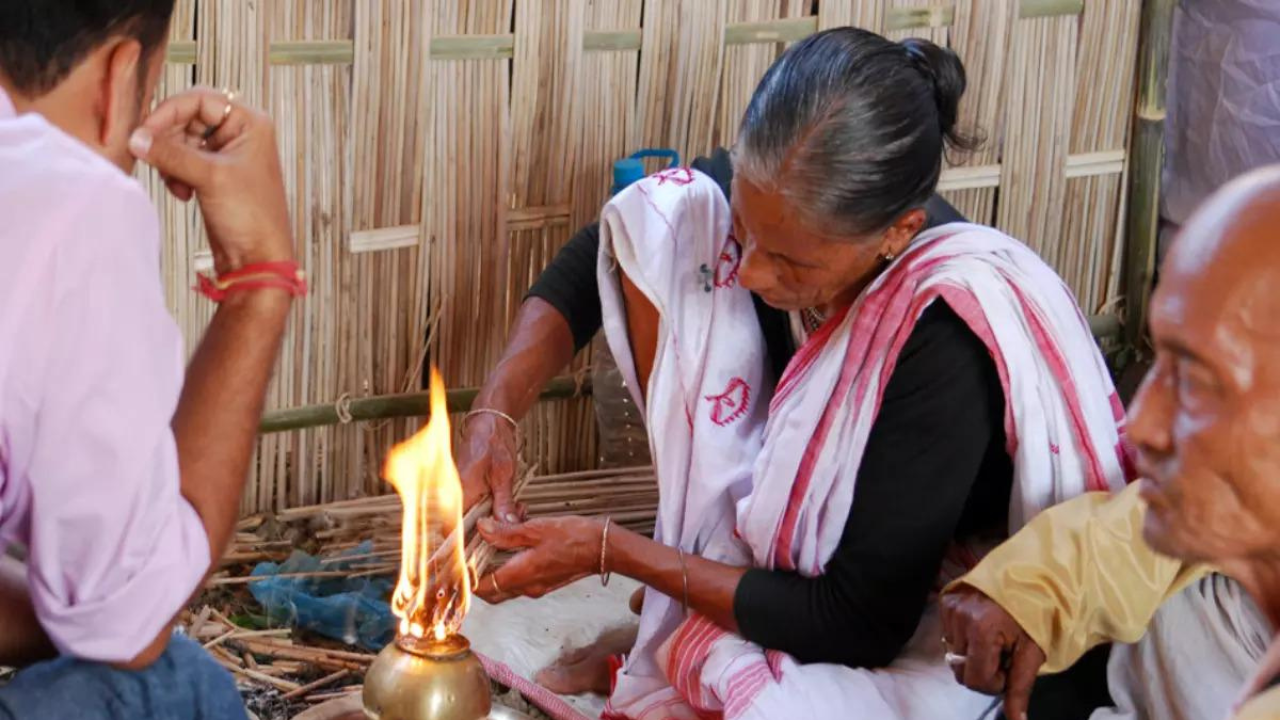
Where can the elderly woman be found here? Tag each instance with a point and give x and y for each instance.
(945, 387)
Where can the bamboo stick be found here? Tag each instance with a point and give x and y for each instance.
(218, 640)
(305, 654)
(1049, 8)
(1147, 159)
(310, 52)
(470, 47)
(198, 624)
(221, 654)
(326, 680)
(770, 31)
(366, 556)
(403, 405)
(502, 45)
(344, 692)
(278, 683)
(219, 581)
(612, 40)
(325, 660)
(412, 404)
(236, 633)
(912, 18)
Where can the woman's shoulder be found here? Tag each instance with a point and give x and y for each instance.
(940, 212)
(940, 324)
(941, 354)
(719, 167)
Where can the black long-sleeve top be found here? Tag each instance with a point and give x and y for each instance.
(934, 468)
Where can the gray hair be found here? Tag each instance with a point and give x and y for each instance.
(850, 127)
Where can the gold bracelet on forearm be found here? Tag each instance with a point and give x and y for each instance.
(604, 548)
(515, 426)
(684, 581)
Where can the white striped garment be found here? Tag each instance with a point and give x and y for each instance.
(748, 477)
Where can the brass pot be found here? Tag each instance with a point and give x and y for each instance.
(427, 680)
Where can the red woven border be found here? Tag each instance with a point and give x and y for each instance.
(547, 701)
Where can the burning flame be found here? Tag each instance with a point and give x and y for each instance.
(433, 592)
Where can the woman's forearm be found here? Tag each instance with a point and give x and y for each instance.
(540, 346)
(711, 585)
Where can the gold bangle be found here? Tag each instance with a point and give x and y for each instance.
(604, 548)
(515, 426)
(684, 581)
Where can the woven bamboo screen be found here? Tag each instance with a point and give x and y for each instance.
(438, 152)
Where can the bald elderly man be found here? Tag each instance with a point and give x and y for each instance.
(1162, 565)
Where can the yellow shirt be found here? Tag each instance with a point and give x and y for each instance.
(1080, 575)
(1263, 706)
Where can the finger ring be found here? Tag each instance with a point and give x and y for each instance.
(226, 113)
(954, 660)
(494, 579)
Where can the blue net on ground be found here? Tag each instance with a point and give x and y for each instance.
(351, 609)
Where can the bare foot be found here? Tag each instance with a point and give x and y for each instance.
(586, 669)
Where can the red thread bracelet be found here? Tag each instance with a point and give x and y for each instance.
(285, 276)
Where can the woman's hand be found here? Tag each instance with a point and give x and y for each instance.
(557, 552)
(487, 465)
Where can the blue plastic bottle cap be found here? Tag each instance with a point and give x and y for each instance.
(627, 171)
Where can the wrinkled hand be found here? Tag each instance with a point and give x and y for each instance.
(999, 655)
(487, 465)
(557, 551)
(234, 173)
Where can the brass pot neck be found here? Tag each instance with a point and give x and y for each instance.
(450, 648)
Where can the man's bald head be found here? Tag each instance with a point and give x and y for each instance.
(1207, 420)
(1227, 260)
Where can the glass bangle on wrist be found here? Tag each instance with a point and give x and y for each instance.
(515, 426)
(604, 549)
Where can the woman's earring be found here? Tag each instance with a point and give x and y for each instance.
(888, 256)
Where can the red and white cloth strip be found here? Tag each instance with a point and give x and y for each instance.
(547, 701)
(772, 478)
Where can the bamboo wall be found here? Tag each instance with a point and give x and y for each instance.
(438, 152)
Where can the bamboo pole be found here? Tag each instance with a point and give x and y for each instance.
(326, 680)
(502, 45)
(403, 405)
(414, 405)
(1146, 158)
(770, 31)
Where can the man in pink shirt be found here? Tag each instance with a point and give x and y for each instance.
(120, 474)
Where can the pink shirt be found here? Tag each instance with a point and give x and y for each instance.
(91, 366)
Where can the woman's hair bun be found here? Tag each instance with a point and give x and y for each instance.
(945, 70)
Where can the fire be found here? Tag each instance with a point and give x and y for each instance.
(433, 592)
